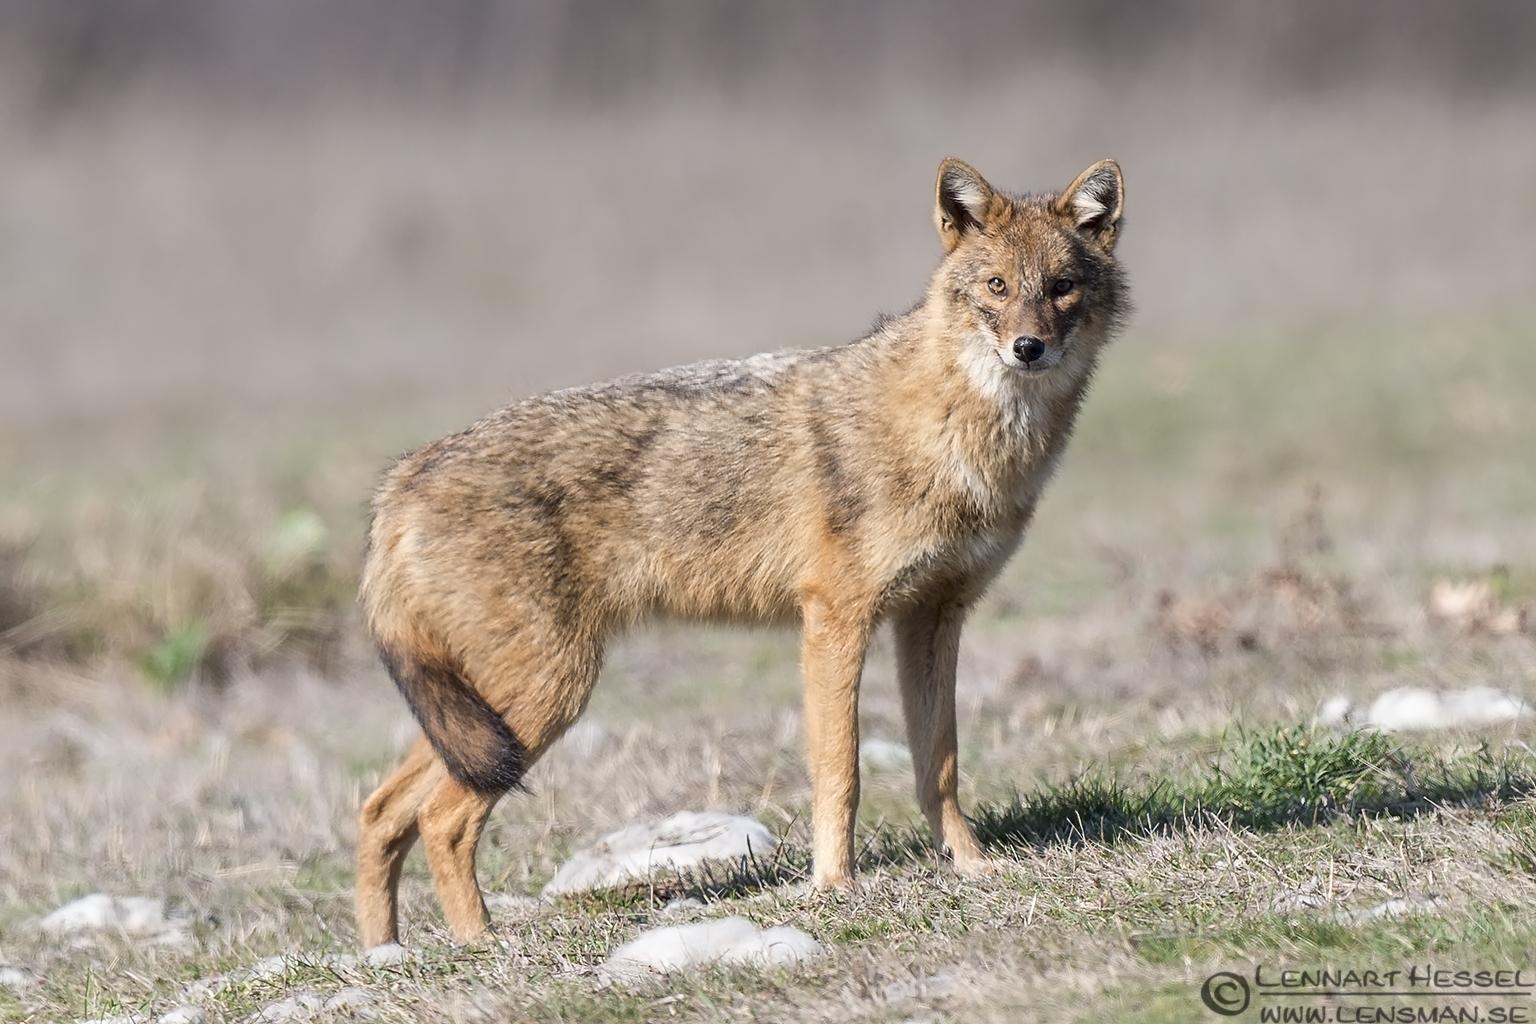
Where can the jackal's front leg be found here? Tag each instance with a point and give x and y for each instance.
(927, 649)
(834, 644)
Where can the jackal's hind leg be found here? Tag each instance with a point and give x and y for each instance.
(452, 820)
(385, 833)
(539, 707)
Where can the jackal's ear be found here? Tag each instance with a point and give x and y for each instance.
(1094, 202)
(963, 198)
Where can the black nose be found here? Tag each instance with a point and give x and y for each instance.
(1028, 349)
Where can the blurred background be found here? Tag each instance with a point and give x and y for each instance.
(249, 249)
(277, 205)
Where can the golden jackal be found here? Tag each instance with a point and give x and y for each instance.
(887, 479)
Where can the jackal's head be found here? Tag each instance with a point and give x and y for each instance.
(1028, 282)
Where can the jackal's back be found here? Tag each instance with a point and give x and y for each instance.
(684, 491)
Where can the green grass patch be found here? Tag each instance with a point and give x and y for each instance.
(179, 653)
(1265, 780)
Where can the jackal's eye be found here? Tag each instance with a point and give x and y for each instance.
(997, 286)
(1062, 286)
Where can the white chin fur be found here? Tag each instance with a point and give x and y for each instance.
(1001, 384)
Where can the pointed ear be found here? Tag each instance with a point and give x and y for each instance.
(1094, 202)
(963, 198)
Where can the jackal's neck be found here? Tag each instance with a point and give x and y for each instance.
(1000, 431)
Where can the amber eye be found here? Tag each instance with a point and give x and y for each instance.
(997, 286)
(1063, 286)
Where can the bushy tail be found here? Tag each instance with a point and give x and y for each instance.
(475, 743)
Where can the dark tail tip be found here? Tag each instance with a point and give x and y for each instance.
(476, 744)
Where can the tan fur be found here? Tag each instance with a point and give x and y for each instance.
(887, 479)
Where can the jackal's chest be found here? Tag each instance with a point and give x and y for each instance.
(957, 558)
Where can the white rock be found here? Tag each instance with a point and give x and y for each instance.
(98, 912)
(684, 840)
(267, 968)
(1481, 705)
(350, 998)
(15, 977)
(387, 955)
(1408, 707)
(212, 984)
(1297, 899)
(1397, 907)
(730, 940)
(884, 755)
(184, 1015)
(1335, 710)
(1412, 707)
(300, 1005)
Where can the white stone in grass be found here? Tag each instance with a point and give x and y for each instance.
(729, 940)
(15, 977)
(685, 840)
(387, 955)
(301, 1005)
(1399, 906)
(1335, 710)
(184, 1015)
(264, 969)
(1306, 898)
(1412, 707)
(98, 912)
(884, 755)
(349, 998)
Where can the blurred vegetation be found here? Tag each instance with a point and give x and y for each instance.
(73, 53)
(188, 598)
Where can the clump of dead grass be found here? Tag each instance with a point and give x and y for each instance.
(1281, 605)
(183, 600)
(1487, 604)
(1274, 608)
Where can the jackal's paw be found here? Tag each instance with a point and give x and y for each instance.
(981, 866)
